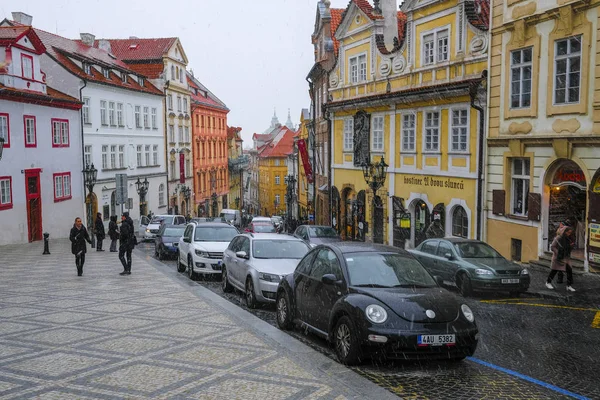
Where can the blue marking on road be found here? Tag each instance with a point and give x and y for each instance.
(529, 379)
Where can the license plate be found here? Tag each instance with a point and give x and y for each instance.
(510, 281)
(435, 340)
(219, 262)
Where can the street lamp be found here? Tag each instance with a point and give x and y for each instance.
(1, 147)
(290, 181)
(215, 205)
(90, 174)
(142, 189)
(374, 175)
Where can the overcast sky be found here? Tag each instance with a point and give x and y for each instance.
(253, 54)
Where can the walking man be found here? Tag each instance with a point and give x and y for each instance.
(100, 234)
(78, 236)
(126, 243)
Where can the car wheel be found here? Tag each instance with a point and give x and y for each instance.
(464, 285)
(284, 314)
(225, 285)
(250, 296)
(346, 343)
(180, 266)
(161, 255)
(156, 252)
(190, 268)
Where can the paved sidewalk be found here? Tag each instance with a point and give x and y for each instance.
(587, 286)
(151, 335)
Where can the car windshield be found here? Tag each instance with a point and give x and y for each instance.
(215, 234)
(274, 248)
(322, 231)
(371, 269)
(476, 250)
(227, 216)
(174, 232)
(264, 228)
(167, 219)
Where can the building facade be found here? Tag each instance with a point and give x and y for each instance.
(41, 185)
(304, 185)
(238, 163)
(406, 89)
(543, 158)
(251, 183)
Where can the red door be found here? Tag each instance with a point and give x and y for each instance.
(33, 197)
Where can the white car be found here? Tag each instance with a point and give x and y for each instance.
(255, 263)
(201, 247)
(157, 220)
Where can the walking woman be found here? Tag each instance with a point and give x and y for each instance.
(100, 234)
(79, 235)
(561, 253)
(113, 233)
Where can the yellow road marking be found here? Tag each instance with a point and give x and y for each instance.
(596, 321)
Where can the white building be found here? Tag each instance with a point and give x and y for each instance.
(41, 185)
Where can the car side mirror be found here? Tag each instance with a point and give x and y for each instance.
(187, 240)
(329, 279)
(241, 254)
(438, 279)
(449, 256)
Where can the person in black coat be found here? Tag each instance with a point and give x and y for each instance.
(99, 230)
(78, 236)
(113, 233)
(127, 242)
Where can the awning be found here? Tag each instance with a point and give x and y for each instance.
(323, 188)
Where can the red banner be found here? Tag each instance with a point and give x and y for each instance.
(304, 154)
(181, 168)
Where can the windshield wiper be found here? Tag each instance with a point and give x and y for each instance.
(373, 285)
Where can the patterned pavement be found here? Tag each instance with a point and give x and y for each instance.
(151, 335)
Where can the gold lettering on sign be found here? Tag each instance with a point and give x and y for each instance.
(435, 181)
(571, 125)
(522, 128)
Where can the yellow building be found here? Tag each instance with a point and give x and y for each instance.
(304, 198)
(237, 163)
(407, 88)
(543, 158)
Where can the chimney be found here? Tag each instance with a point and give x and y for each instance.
(87, 38)
(389, 9)
(22, 18)
(104, 44)
(133, 37)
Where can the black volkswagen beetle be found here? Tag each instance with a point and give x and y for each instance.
(375, 300)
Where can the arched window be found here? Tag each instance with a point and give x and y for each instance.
(177, 72)
(161, 194)
(172, 72)
(460, 222)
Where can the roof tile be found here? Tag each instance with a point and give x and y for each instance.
(139, 49)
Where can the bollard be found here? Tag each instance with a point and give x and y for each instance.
(46, 249)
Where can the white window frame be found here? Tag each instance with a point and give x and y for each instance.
(170, 102)
(104, 156)
(87, 68)
(171, 133)
(186, 134)
(277, 179)
(357, 70)
(185, 104)
(180, 132)
(377, 132)
(521, 67)
(154, 118)
(155, 154)
(139, 155)
(409, 132)
(348, 134)
(147, 154)
(111, 114)
(138, 116)
(121, 156)
(87, 155)
(526, 182)
(146, 117)
(120, 121)
(161, 195)
(85, 110)
(178, 103)
(103, 112)
(430, 50)
(431, 128)
(567, 74)
(454, 129)
(113, 156)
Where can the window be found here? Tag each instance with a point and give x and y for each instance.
(567, 70)
(171, 134)
(277, 162)
(113, 156)
(179, 103)
(408, 132)
(428, 49)
(111, 113)
(4, 129)
(187, 134)
(442, 46)
(161, 195)
(459, 130)
(520, 186)
(147, 154)
(120, 114)
(187, 168)
(176, 72)
(520, 78)
(181, 76)
(146, 117)
(85, 110)
(185, 105)
(62, 186)
(460, 223)
(180, 129)
(29, 126)
(139, 155)
(435, 47)
(123, 77)
(121, 156)
(358, 69)
(172, 169)
(87, 68)
(27, 66)
(172, 72)
(154, 120)
(103, 112)
(377, 138)
(277, 180)
(141, 80)
(104, 157)
(277, 199)
(155, 154)
(170, 102)
(5, 192)
(348, 134)
(60, 133)
(203, 121)
(106, 73)
(87, 155)
(432, 131)
(138, 121)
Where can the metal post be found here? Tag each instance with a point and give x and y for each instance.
(46, 244)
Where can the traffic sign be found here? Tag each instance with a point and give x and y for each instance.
(121, 189)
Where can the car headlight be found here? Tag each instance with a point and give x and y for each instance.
(168, 244)
(268, 277)
(481, 271)
(467, 313)
(148, 230)
(201, 253)
(376, 313)
(524, 272)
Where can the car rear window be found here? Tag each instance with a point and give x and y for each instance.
(168, 219)
(264, 228)
(174, 232)
(279, 249)
(215, 234)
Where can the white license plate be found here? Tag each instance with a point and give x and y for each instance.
(510, 281)
(435, 340)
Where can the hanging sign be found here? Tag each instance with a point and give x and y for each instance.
(569, 174)
(405, 221)
(181, 168)
(304, 154)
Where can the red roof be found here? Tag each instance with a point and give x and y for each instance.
(139, 49)
(151, 70)
(336, 20)
(52, 98)
(11, 34)
(366, 7)
(281, 148)
(233, 133)
(478, 13)
(200, 95)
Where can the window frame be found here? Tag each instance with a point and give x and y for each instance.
(31, 69)
(120, 119)
(146, 116)
(103, 112)
(112, 121)
(139, 159)
(63, 122)
(426, 128)
(348, 135)
(155, 154)
(520, 67)
(27, 118)
(433, 58)
(409, 133)
(8, 205)
(147, 154)
(359, 78)
(452, 127)
(121, 156)
(567, 74)
(113, 156)
(154, 118)
(7, 138)
(104, 156)
(63, 185)
(464, 228)
(375, 132)
(87, 155)
(526, 185)
(85, 111)
(161, 195)
(277, 179)
(137, 112)
(170, 102)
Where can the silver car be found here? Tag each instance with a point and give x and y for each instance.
(255, 263)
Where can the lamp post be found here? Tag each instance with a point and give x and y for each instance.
(90, 174)
(290, 181)
(215, 205)
(142, 189)
(1, 147)
(374, 175)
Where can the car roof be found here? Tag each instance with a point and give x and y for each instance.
(316, 226)
(165, 215)
(212, 224)
(356, 247)
(457, 240)
(271, 236)
(174, 226)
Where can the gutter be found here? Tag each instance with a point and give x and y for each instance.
(480, 149)
(314, 127)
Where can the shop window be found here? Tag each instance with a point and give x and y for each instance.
(520, 186)
(460, 223)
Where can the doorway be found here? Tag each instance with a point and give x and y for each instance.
(378, 220)
(421, 222)
(34, 204)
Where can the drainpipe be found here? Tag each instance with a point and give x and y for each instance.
(481, 145)
(314, 125)
(328, 150)
(167, 161)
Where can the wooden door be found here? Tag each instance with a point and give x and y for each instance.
(33, 198)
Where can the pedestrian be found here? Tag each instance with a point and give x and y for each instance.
(561, 227)
(113, 233)
(126, 243)
(561, 252)
(100, 234)
(78, 236)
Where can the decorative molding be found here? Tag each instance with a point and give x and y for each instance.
(461, 27)
(564, 22)
(570, 125)
(334, 80)
(524, 10)
(522, 128)
(562, 148)
(519, 33)
(398, 64)
(385, 66)
(478, 45)
(516, 147)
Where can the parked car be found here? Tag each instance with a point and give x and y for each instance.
(265, 220)
(255, 264)
(142, 226)
(157, 220)
(199, 220)
(371, 299)
(166, 241)
(231, 216)
(317, 234)
(471, 265)
(261, 227)
(201, 247)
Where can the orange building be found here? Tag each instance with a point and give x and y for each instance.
(209, 138)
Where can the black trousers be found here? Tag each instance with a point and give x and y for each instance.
(98, 244)
(113, 245)
(79, 261)
(569, 275)
(125, 251)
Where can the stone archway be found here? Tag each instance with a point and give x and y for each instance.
(335, 209)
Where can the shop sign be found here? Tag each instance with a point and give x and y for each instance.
(594, 257)
(574, 175)
(405, 221)
(596, 186)
(435, 181)
(595, 235)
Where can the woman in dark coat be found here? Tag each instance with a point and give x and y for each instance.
(99, 230)
(113, 233)
(79, 235)
(561, 253)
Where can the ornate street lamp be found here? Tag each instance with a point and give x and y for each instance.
(142, 189)
(1, 147)
(90, 175)
(375, 175)
(215, 205)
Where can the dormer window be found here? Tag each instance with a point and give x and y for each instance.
(27, 66)
(87, 68)
(141, 81)
(106, 73)
(124, 77)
